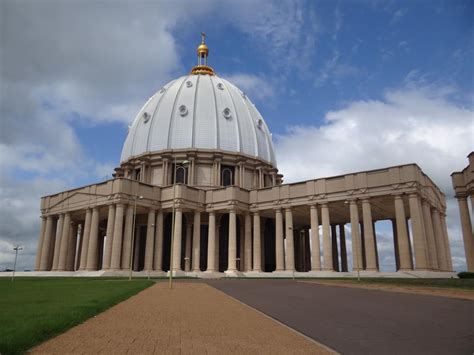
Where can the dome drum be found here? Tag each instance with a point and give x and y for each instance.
(205, 168)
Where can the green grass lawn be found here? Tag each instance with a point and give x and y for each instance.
(467, 284)
(35, 309)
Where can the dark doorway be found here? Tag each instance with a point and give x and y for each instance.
(269, 261)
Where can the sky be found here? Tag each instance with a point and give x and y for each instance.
(344, 86)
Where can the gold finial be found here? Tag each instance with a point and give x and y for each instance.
(203, 49)
(202, 52)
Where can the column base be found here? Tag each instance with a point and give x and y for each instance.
(176, 273)
(233, 273)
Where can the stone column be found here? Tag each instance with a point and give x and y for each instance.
(438, 236)
(64, 242)
(421, 262)
(257, 243)
(357, 263)
(80, 235)
(290, 241)
(71, 250)
(430, 240)
(370, 252)
(447, 247)
(127, 238)
(197, 242)
(187, 246)
(150, 241)
(242, 245)
(158, 255)
(85, 240)
(248, 242)
(327, 244)
(57, 243)
(315, 245)
(232, 254)
(40, 244)
(279, 242)
(211, 243)
(467, 233)
(335, 255)
(47, 245)
(402, 235)
(110, 236)
(177, 239)
(117, 240)
(342, 239)
(93, 251)
(218, 239)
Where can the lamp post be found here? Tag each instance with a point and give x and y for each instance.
(183, 164)
(16, 249)
(136, 198)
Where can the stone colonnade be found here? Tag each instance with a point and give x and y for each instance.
(297, 247)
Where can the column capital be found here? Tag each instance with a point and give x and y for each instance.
(256, 213)
(398, 196)
(365, 199)
(461, 197)
(313, 206)
(352, 201)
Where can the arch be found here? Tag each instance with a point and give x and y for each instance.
(227, 175)
(180, 174)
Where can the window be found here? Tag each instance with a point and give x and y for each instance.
(227, 177)
(137, 174)
(180, 174)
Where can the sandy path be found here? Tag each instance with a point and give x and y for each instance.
(192, 318)
(430, 291)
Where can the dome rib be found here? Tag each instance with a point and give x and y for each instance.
(133, 130)
(217, 113)
(193, 133)
(239, 137)
(173, 113)
(254, 129)
(152, 120)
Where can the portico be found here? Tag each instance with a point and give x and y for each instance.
(245, 232)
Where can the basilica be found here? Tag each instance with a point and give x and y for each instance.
(198, 193)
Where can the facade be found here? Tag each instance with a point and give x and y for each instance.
(198, 192)
(463, 184)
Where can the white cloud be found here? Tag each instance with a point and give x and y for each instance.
(333, 71)
(254, 86)
(283, 30)
(408, 126)
(397, 15)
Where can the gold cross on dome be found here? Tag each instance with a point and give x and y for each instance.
(203, 37)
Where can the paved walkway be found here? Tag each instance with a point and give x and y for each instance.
(193, 318)
(360, 321)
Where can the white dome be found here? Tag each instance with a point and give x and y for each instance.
(199, 111)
